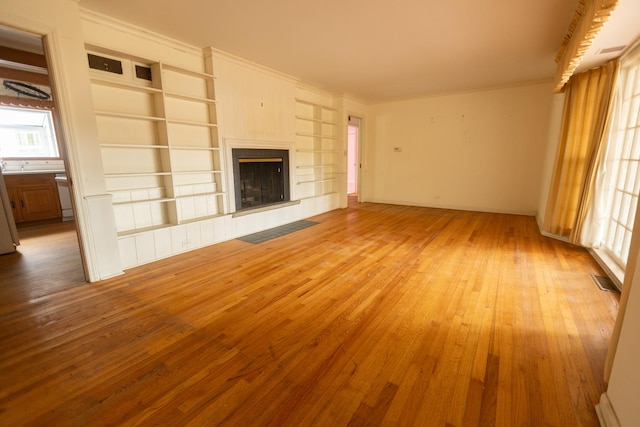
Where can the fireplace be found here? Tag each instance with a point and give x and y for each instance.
(260, 177)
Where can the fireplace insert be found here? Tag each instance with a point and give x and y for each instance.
(261, 177)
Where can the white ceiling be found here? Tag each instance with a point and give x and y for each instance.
(622, 29)
(377, 50)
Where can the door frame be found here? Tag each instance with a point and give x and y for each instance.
(355, 120)
(51, 53)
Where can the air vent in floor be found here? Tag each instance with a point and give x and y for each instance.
(604, 283)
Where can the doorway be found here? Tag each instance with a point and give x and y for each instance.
(353, 156)
(34, 163)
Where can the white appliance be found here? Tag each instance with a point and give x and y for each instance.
(65, 196)
(8, 231)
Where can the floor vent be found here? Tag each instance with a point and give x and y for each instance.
(604, 283)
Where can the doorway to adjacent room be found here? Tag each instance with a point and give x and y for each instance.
(33, 150)
(353, 156)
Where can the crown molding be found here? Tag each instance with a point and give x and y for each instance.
(137, 31)
(212, 51)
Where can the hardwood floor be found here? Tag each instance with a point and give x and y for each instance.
(378, 315)
(47, 261)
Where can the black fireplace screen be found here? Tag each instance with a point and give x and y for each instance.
(261, 177)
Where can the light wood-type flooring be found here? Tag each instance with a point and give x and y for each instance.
(378, 315)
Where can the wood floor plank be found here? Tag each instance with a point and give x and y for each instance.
(377, 315)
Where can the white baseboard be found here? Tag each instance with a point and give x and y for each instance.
(606, 413)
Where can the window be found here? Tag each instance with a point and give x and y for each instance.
(624, 152)
(27, 133)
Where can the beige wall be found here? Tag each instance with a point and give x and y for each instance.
(481, 150)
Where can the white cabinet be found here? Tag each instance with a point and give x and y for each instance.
(317, 149)
(160, 145)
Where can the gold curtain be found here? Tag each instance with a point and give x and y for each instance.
(588, 19)
(589, 97)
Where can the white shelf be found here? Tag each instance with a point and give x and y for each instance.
(194, 148)
(135, 174)
(318, 148)
(191, 123)
(314, 135)
(186, 196)
(138, 202)
(125, 85)
(191, 73)
(308, 119)
(314, 104)
(197, 172)
(314, 120)
(302, 150)
(129, 233)
(175, 127)
(190, 98)
(316, 181)
(200, 218)
(129, 116)
(151, 146)
(316, 166)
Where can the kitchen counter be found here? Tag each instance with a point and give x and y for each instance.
(30, 172)
(62, 180)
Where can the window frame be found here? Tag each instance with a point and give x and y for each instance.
(53, 135)
(625, 184)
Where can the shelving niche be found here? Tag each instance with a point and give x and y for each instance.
(317, 149)
(159, 143)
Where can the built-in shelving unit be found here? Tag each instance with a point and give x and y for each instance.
(160, 144)
(317, 149)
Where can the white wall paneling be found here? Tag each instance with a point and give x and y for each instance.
(259, 103)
